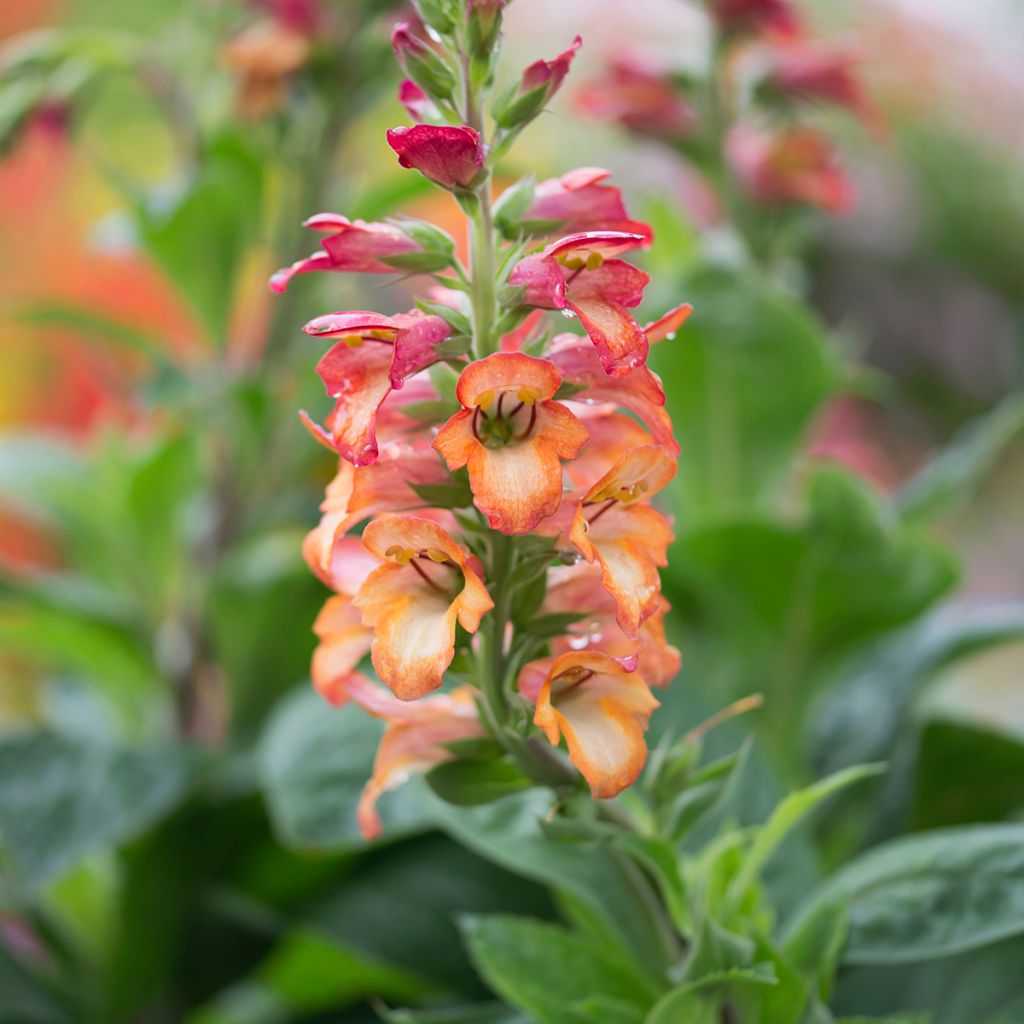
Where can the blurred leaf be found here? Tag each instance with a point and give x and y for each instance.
(27, 997)
(967, 773)
(314, 762)
(864, 709)
(986, 985)
(958, 469)
(743, 379)
(694, 1002)
(482, 1013)
(770, 605)
(200, 236)
(34, 468)
(91, 324)
(930, 895)
(548, 971)
(398, 907)
(62, 799)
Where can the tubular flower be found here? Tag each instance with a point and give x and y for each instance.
(601, 705)
(804, 71)
(511, 437)
(797, 165)
(613, 525)
(376, 354)
(776, 16)
(579, 201)
(579, 273)
(414, 741)
(358, 494)
(264, 57)
(353, 247)
(641, 98)
(449, 156)
(577, 589)
(539, 83)
(412, 602)
(343, 642)
(421, 108)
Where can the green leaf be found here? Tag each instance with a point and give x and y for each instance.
(314, 762)
(62, 799)
(966, 773)
(693, 1002)
(201, 236)
(547, 970)
(398, 907)
(747, 373)
(606, 887)
(786, 817)
(930, 895)
(957, 470)
(865, 709)
(467, 783)
(479, 1013)
(814, 947)
(27, 997)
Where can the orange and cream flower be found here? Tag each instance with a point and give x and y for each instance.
(601, 706)
(412, 602)
(416, 739)
(615, 526)
(343, 642)
(512, 437)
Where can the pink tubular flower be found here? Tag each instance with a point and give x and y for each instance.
(793, 166)
(775, 16)
(539, 83)
(376, 354)
(579, 273)
(805, 71)
(451, 157)
(416, 739)
(579, 201)
(420, 106)
(640, 98)
(358, 247)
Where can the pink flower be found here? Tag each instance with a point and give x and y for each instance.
(535, 89)
(641, 98)
(451, 157)
(797, 165)
(578, 273)
(578, 201)
(420, 106)
(350, 246)
(807, 72)
(756, 16)
(376, 354)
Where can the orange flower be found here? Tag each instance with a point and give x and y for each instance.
(601, 705)
(578, 589)
(264, 57)
(344, 641)
(414, 741)
(355, 495)
(512, 437)
(629, 539)
(413, 601)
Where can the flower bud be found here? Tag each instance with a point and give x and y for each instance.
(483, 20)
(440, 15)
(521, 103)
(449, 156)
(422, 63)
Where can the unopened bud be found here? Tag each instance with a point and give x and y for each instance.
(422, 63)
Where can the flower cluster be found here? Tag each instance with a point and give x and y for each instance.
(750, 115)
(502, 475)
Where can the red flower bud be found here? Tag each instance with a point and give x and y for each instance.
(449, 156)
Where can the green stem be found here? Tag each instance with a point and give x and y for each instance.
(483, 270)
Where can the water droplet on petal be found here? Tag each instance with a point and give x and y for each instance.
(568, 314)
